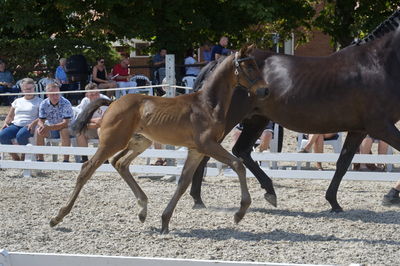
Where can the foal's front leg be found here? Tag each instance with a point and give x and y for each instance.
(121, 162)
(216, 151)
(87, 170)
(192, 161)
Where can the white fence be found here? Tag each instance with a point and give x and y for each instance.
(43, 259)
(211, 171)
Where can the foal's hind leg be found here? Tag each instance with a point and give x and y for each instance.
(353, 141)
(216, 151)
(87, 170)
(192, 161)
(121, 162)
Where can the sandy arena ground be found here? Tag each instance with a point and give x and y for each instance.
(104, 220)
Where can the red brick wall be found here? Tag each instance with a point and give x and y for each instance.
(318, 46)
(140, 61)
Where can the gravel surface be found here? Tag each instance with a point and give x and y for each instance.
(104, 220)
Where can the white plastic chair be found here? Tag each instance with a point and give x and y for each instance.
(188, 81)
(336, 144)
(142, 79)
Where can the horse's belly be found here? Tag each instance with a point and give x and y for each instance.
(178, 137)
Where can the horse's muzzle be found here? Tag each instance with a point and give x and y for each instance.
(262, 92)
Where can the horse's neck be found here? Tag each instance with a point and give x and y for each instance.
(218, 91)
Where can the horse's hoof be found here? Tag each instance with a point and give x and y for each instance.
(198, 206)
(336, 210)
(164, 231)
(142, 218)
(54, 222)
(272, 199)
(238, 217)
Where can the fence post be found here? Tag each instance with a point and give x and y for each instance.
(170, 73)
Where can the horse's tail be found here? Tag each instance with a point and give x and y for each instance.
(81, 122)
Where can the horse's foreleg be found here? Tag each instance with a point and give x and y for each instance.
(121, 162)
(192, 162)
(243, 148)
(87, 170)
(195, 190)
(216, 151)
(352, 142)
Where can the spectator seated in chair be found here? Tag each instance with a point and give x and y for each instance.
(120, 73)
(61, 78)
(317, 140)
(101, 78)
(265, 137)
(95, 122)
(365, 148)
(55, 113)
(22, 118)
(6, 84)
(159, 64)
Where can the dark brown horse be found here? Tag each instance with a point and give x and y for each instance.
(356, 89)
(196, 121)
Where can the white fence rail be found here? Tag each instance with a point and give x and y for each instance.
(181, 155)
(44, 259)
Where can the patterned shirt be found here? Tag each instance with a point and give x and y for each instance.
(55, 114)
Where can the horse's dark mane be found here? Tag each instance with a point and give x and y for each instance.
(389, 25)
(206, 72)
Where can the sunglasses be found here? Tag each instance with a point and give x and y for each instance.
(102, 61)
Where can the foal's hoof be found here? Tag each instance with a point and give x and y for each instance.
(272, 199)
(198, 206)
(54, 222)
(336, 210)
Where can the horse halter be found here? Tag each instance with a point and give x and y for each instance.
(238, 69)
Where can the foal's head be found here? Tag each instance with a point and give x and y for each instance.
(247, 74)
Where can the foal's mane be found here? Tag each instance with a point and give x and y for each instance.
(389, 25)
(206, 72)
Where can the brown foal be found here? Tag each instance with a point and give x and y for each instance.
(195, 120)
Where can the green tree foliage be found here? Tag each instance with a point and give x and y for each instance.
(345, 20)
(32, 30)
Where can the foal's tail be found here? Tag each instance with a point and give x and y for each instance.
(81, 122)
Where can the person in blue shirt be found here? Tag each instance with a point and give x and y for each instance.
(61, 76)
(55, 113)
(219, 49)
(159, 64)
(6, 83)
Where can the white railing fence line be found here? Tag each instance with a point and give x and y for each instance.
(211, 171)
(47, 259)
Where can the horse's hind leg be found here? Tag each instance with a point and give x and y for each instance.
(87, 170)
(390, 135)
(216, 151)
(352, 142)
(121, 162)
(192, 161)
(195, 190)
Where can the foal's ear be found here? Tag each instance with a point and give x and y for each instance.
(247, 50)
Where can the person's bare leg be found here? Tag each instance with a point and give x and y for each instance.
(365, 148)
(65, 141)
(81, 140)
(265, 138)
(40, 142)
(382, 149)
(319, 148)
(312, 138)
(158, 146)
